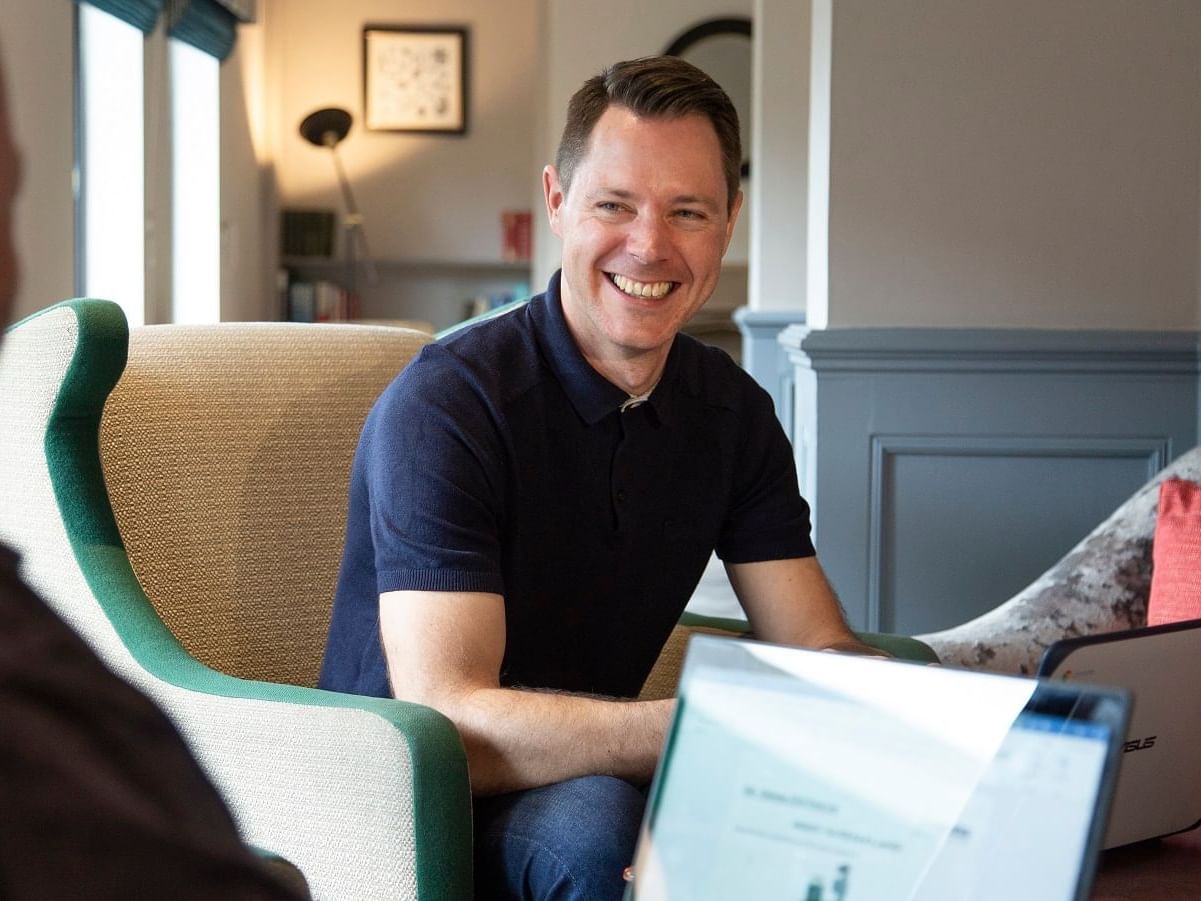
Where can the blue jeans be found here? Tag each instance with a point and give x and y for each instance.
(569, 841)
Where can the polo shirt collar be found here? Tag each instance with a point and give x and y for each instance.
(592, 395)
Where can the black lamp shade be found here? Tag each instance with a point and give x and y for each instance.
(326, 127)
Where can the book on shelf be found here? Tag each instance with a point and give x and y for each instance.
(516, 235)
(319, 301)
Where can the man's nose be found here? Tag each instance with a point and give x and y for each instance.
(648, 239)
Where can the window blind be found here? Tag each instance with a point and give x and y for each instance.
(142, 14)
(205, 24)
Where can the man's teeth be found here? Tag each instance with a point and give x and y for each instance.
(641, 289)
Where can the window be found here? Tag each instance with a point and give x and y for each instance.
(195, 185)
(112, 199)
(133, 175)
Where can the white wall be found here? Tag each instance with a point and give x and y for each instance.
(249, 229)
(780, 156)
(1020, 163)
(582, 37)
(35, 45)
(423, 196)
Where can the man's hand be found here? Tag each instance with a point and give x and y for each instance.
(855, 646)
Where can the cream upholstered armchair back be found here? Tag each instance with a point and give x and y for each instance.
(226, 452)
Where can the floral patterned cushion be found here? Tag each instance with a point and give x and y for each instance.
(1101, 585)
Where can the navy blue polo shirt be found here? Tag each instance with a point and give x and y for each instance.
(500, 461)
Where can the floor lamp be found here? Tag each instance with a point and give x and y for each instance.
(328, 128)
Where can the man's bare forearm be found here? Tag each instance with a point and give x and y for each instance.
(791, 602)
(519, 739)
(445, 650)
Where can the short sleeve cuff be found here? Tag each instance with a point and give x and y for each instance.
(440, 580)
(767, 546)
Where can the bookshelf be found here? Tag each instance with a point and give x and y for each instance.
(336, 267)
(441, 292)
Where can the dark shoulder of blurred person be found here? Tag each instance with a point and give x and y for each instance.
(99, 796)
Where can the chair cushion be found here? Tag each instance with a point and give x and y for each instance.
(1176, 555)
(227, 452)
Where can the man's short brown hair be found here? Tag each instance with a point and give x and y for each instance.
(654, 87)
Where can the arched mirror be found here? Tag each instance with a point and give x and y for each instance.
(721, 48)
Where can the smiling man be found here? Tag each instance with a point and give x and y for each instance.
(644, 230)
(534, 499)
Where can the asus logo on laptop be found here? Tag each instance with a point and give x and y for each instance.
(1139, 744)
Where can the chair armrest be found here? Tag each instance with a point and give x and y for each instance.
(736, 627)
(665, 676)
(900, 646)
(369, 797)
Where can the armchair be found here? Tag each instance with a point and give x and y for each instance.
(368, 797)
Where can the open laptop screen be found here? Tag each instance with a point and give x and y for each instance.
(805, 776)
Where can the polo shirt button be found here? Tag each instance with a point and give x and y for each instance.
(621, 497)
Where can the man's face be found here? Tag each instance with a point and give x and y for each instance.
(9, 176)
(644, 228)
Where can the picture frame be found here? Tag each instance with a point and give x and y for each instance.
(415, 78)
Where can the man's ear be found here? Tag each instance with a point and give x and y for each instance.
(735, 207)
(552, 191)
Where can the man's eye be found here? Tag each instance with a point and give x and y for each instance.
(694, 215)
(609, 206)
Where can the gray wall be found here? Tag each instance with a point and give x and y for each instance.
(1015, 164)
(778, 186)
(950, 467)
(992, 165)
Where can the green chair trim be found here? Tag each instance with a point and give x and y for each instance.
(482, 317)
(900, 646)
(696, 620)
(439, 764)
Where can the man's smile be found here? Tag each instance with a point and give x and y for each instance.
(643, 290)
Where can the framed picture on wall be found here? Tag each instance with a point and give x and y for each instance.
(415, 78)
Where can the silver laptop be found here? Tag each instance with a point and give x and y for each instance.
(805, 776)
(1156, 792)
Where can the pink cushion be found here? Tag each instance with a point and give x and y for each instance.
(1176, 555)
